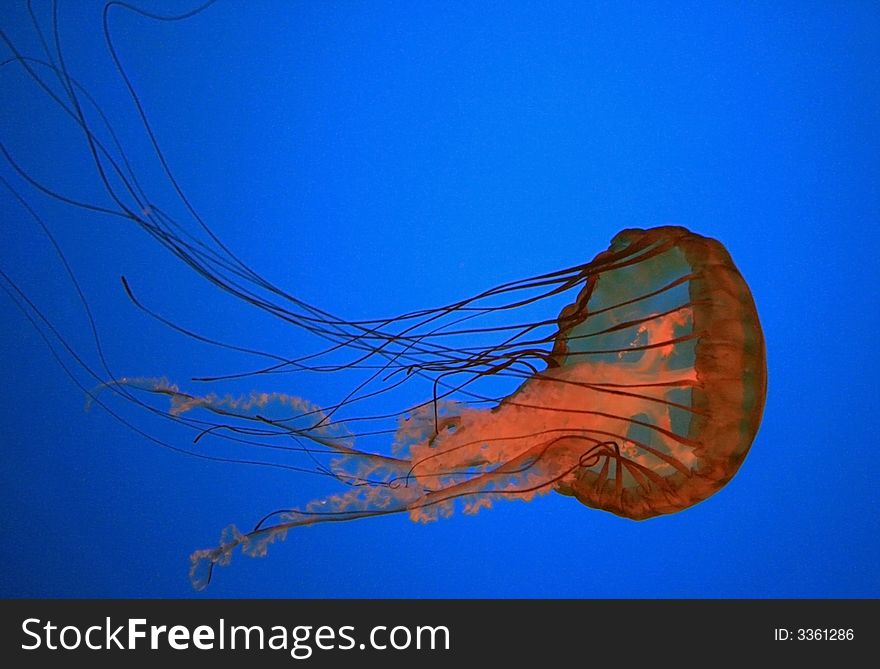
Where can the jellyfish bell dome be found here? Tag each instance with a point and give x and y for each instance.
(665, 342)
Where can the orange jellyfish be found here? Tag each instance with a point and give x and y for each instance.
(643, 400)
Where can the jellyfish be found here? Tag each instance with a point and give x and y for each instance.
(634, 382)
(647, 400)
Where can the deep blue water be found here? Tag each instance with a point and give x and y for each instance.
(374, 158)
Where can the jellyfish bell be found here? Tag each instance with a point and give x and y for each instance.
(649, 400)
(684, 407)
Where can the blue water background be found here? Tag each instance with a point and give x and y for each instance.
(377, 157)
